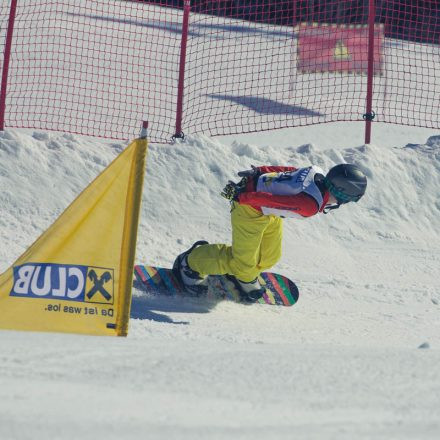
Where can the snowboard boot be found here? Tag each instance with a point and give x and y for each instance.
(190, 279)
(251, 291)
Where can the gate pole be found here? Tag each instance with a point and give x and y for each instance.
(369, 114)
(180, 85)
(7, 57)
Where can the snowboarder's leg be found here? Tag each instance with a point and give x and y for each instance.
(271, 244)
(212, 259)
(249, 227)
(242, 258)
(217, 259)
(269, 252)
(256, 246)
(193, 282)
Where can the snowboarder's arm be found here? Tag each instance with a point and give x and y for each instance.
(274, 169)
(301, 204)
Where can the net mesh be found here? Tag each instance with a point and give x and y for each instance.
(101, 67)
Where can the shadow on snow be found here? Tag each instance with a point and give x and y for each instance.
(267, 106)
(176, 27)
(156, 308)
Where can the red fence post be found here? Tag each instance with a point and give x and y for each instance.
(180, 86)
(7, 56)
(369, 114)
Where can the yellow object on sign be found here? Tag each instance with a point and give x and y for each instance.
(77, 277)
(341, 51)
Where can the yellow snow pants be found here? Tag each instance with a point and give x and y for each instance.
(256, 246)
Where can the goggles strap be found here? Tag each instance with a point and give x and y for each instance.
(329, 208)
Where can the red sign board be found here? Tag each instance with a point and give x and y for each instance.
(337, 48)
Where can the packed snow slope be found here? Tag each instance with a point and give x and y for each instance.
(356, 358)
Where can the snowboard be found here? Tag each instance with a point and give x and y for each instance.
(161, 281)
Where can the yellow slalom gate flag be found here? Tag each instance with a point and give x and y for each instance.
(77, 277)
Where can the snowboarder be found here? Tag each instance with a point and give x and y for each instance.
(263, 197)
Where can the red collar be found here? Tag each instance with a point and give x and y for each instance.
(325, 200)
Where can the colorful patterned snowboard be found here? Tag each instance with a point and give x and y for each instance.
(160, 281)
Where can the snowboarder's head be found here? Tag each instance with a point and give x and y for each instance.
(346, 183)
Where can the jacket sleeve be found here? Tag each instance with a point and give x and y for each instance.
(301, 204)
(275, 169)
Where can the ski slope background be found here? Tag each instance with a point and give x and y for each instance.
(357, 357)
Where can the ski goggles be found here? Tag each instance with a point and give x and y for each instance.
(340, 196)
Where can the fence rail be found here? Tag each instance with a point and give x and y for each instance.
(99, 67)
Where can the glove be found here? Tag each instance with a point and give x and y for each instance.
(232, 190)
(249, 173)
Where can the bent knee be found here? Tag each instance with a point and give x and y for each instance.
(270, 260)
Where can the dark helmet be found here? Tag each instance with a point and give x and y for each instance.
(346, 182)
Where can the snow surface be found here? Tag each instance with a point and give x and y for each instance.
(356, 358)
